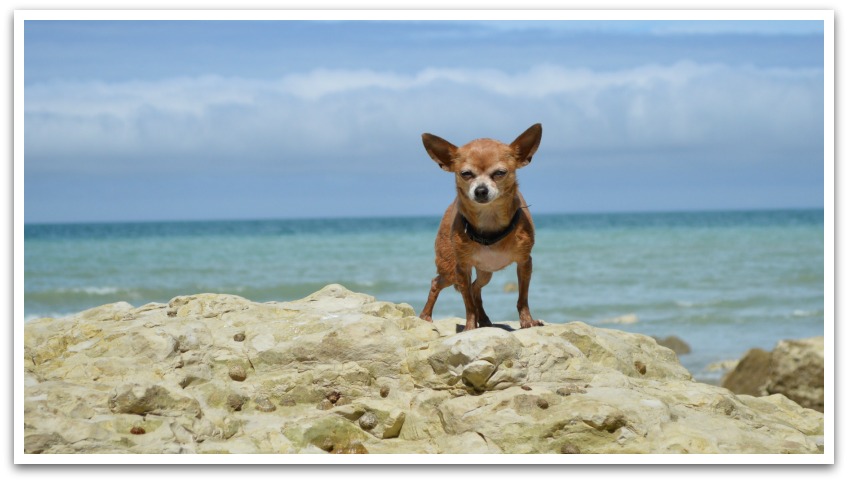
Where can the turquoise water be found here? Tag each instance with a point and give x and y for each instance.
(722, 281)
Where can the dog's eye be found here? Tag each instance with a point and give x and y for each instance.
(499, 174)
(466, 174)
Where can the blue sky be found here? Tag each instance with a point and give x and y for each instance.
(173, 120)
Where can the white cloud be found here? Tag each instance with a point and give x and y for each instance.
(325, 119)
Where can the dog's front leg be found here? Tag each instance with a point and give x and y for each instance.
(463, 284)
(525, 270)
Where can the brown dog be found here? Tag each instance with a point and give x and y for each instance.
(488, 227)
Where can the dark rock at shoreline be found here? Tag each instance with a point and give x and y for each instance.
(677, 345)
(795, 368)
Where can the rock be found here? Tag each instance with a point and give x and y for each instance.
(751, 375)
(235, 401)
(368, 421)
(795, 368)
(340, 372)
(238, 373)
(798, 372)
(676, 344)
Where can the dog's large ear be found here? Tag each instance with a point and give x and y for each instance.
(526, 144)
(440, 150)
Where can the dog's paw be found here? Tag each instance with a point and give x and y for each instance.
(531, 323)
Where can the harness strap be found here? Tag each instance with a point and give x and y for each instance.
(489, 239)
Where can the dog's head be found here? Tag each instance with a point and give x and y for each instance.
(484, 168)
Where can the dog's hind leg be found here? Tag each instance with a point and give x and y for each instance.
(483, 278)
(436, 286)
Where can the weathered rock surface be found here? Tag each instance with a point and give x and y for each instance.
(795, 368)
(339, 372)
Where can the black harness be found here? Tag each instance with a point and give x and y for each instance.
(489, 239)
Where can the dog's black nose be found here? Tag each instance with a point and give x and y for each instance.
(481, 193)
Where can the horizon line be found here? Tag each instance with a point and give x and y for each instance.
(412, 216)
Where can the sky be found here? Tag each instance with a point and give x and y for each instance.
(182, 120)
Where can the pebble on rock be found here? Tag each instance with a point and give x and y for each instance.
(384, 392)
(566, 391)
(640, 367)
(137, 431)
(368, 421)
(238, 373)
(235, 401)
(264, 405)
(334, 396)
(238, 337)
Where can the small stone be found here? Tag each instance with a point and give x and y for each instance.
(640, 367)
(324, 405)
(238, 373)
(566, 391)
(569, 449)
(368, 421)
(343, 400)
(542, 403)
(384, 392)
(287, 402)
(264, 405)
(525, 387)
(333, 396)
(238, 337)
(137, 431)
(235, 401)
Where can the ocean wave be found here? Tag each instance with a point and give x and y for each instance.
(806, 313)
(627, 319)
(91, 290)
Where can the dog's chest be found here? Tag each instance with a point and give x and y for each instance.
(488, 259)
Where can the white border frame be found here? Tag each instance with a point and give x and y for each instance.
(827, 16)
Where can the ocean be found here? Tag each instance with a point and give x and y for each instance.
(723, 282)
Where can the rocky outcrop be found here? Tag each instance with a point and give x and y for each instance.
(795, 368)
(340, 372)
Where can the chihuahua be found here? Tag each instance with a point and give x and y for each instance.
(488, 226)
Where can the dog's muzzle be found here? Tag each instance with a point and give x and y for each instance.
(481, 194)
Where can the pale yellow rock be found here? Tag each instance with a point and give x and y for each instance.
(346, 373)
